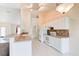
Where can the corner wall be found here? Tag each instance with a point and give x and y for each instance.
(74, 31)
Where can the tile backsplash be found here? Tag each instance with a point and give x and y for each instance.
(59, 32)
(63, 33)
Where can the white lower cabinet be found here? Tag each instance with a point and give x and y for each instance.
(22, 48)
(61, 44)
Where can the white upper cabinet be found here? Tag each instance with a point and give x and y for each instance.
(60, 23)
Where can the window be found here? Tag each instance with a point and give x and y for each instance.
(2, 31)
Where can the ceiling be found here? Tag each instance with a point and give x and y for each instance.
(28, 5)
(44, 6)
(10, 5)
(40, 6)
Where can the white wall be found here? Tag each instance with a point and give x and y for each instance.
(10, 15)
(60, 23)
(25, 20)
(9, 18)
(74, 31)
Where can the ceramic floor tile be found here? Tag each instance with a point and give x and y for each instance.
(40, 49)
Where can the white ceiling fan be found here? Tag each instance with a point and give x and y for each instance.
(64, 8)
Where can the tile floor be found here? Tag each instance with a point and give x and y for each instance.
(40, 49)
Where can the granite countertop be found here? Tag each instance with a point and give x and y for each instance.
(58, 36)
(22, 38)
(17, 38)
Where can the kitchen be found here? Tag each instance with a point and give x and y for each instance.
(23, 25)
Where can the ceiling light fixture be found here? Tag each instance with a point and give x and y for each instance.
(64, 8)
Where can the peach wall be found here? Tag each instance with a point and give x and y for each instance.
(46, 17)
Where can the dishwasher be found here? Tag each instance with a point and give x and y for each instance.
(4, 46)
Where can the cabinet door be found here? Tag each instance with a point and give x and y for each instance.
(57, 43)
(51, 40)
(21, 49)
(18, 49)
(47, 40)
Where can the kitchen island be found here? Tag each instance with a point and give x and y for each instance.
(20, 45)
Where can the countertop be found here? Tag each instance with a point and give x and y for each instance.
(22, 38)
(57, 36)
(19, 38)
